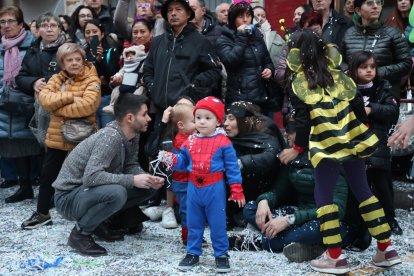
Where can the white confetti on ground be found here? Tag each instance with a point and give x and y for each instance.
(156, 251)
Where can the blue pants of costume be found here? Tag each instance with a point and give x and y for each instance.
(180, 190)
(207, 203)
(307, 233)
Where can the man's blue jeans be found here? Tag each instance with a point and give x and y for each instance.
(90, 206)
(307, 233)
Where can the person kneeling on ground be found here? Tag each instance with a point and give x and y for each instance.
(102, 176)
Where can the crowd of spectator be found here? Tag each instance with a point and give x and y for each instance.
(208, 87)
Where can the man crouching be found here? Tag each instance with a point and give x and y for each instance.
(102, 176)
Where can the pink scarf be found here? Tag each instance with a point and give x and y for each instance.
(12, 61)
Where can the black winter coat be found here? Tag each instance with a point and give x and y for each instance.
(336, 27)
(384, 113)
(258, 153)
(211, 29)
(180, 66)
(36, 64)
(389, 46)
(244, 57)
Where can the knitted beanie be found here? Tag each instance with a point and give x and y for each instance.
(212, 104)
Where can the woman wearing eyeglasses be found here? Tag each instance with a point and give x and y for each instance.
(79, 18)
(38, 65)
(16, 140)
(389, 47)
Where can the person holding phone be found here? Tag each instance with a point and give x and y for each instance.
(244, 54)
(105, 60)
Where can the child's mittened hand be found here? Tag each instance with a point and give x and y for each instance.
(237, 195)
(166, 158)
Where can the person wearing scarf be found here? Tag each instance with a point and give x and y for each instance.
(13, 130)
(38, 65)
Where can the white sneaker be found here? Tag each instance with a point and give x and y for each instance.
(168, 219)
(154, 213)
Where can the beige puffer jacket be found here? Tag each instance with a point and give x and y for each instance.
(58, 98)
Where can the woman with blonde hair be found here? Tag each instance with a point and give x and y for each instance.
(73, 93)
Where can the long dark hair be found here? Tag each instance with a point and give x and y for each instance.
(146, 22)
(75, 16)
(69, 21)
(395, 19)
(357, 59)
(101, 27)
(312, 57)
(310, 18)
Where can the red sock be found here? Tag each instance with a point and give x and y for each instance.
(184, 234)
(334, 252)
(383, 245)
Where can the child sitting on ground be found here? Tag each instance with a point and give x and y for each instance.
(129, 76)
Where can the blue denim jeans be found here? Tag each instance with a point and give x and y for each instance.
(90, 206)
(307, 233)
(102, 117)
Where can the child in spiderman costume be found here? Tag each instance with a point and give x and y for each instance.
(207, 155)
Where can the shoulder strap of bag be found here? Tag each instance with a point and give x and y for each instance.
(52, 65)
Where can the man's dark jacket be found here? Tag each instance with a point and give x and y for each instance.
(180, 66)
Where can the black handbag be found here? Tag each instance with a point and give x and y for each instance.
(15, 101)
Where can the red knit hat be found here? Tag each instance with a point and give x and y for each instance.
(212, 104)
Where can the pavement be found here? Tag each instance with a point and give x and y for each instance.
(155, 251)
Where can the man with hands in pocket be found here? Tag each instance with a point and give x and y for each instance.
(102, 177)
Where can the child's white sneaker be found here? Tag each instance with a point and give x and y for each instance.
(168, 219)
(154, 213)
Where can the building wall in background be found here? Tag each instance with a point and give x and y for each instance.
(276, 9)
